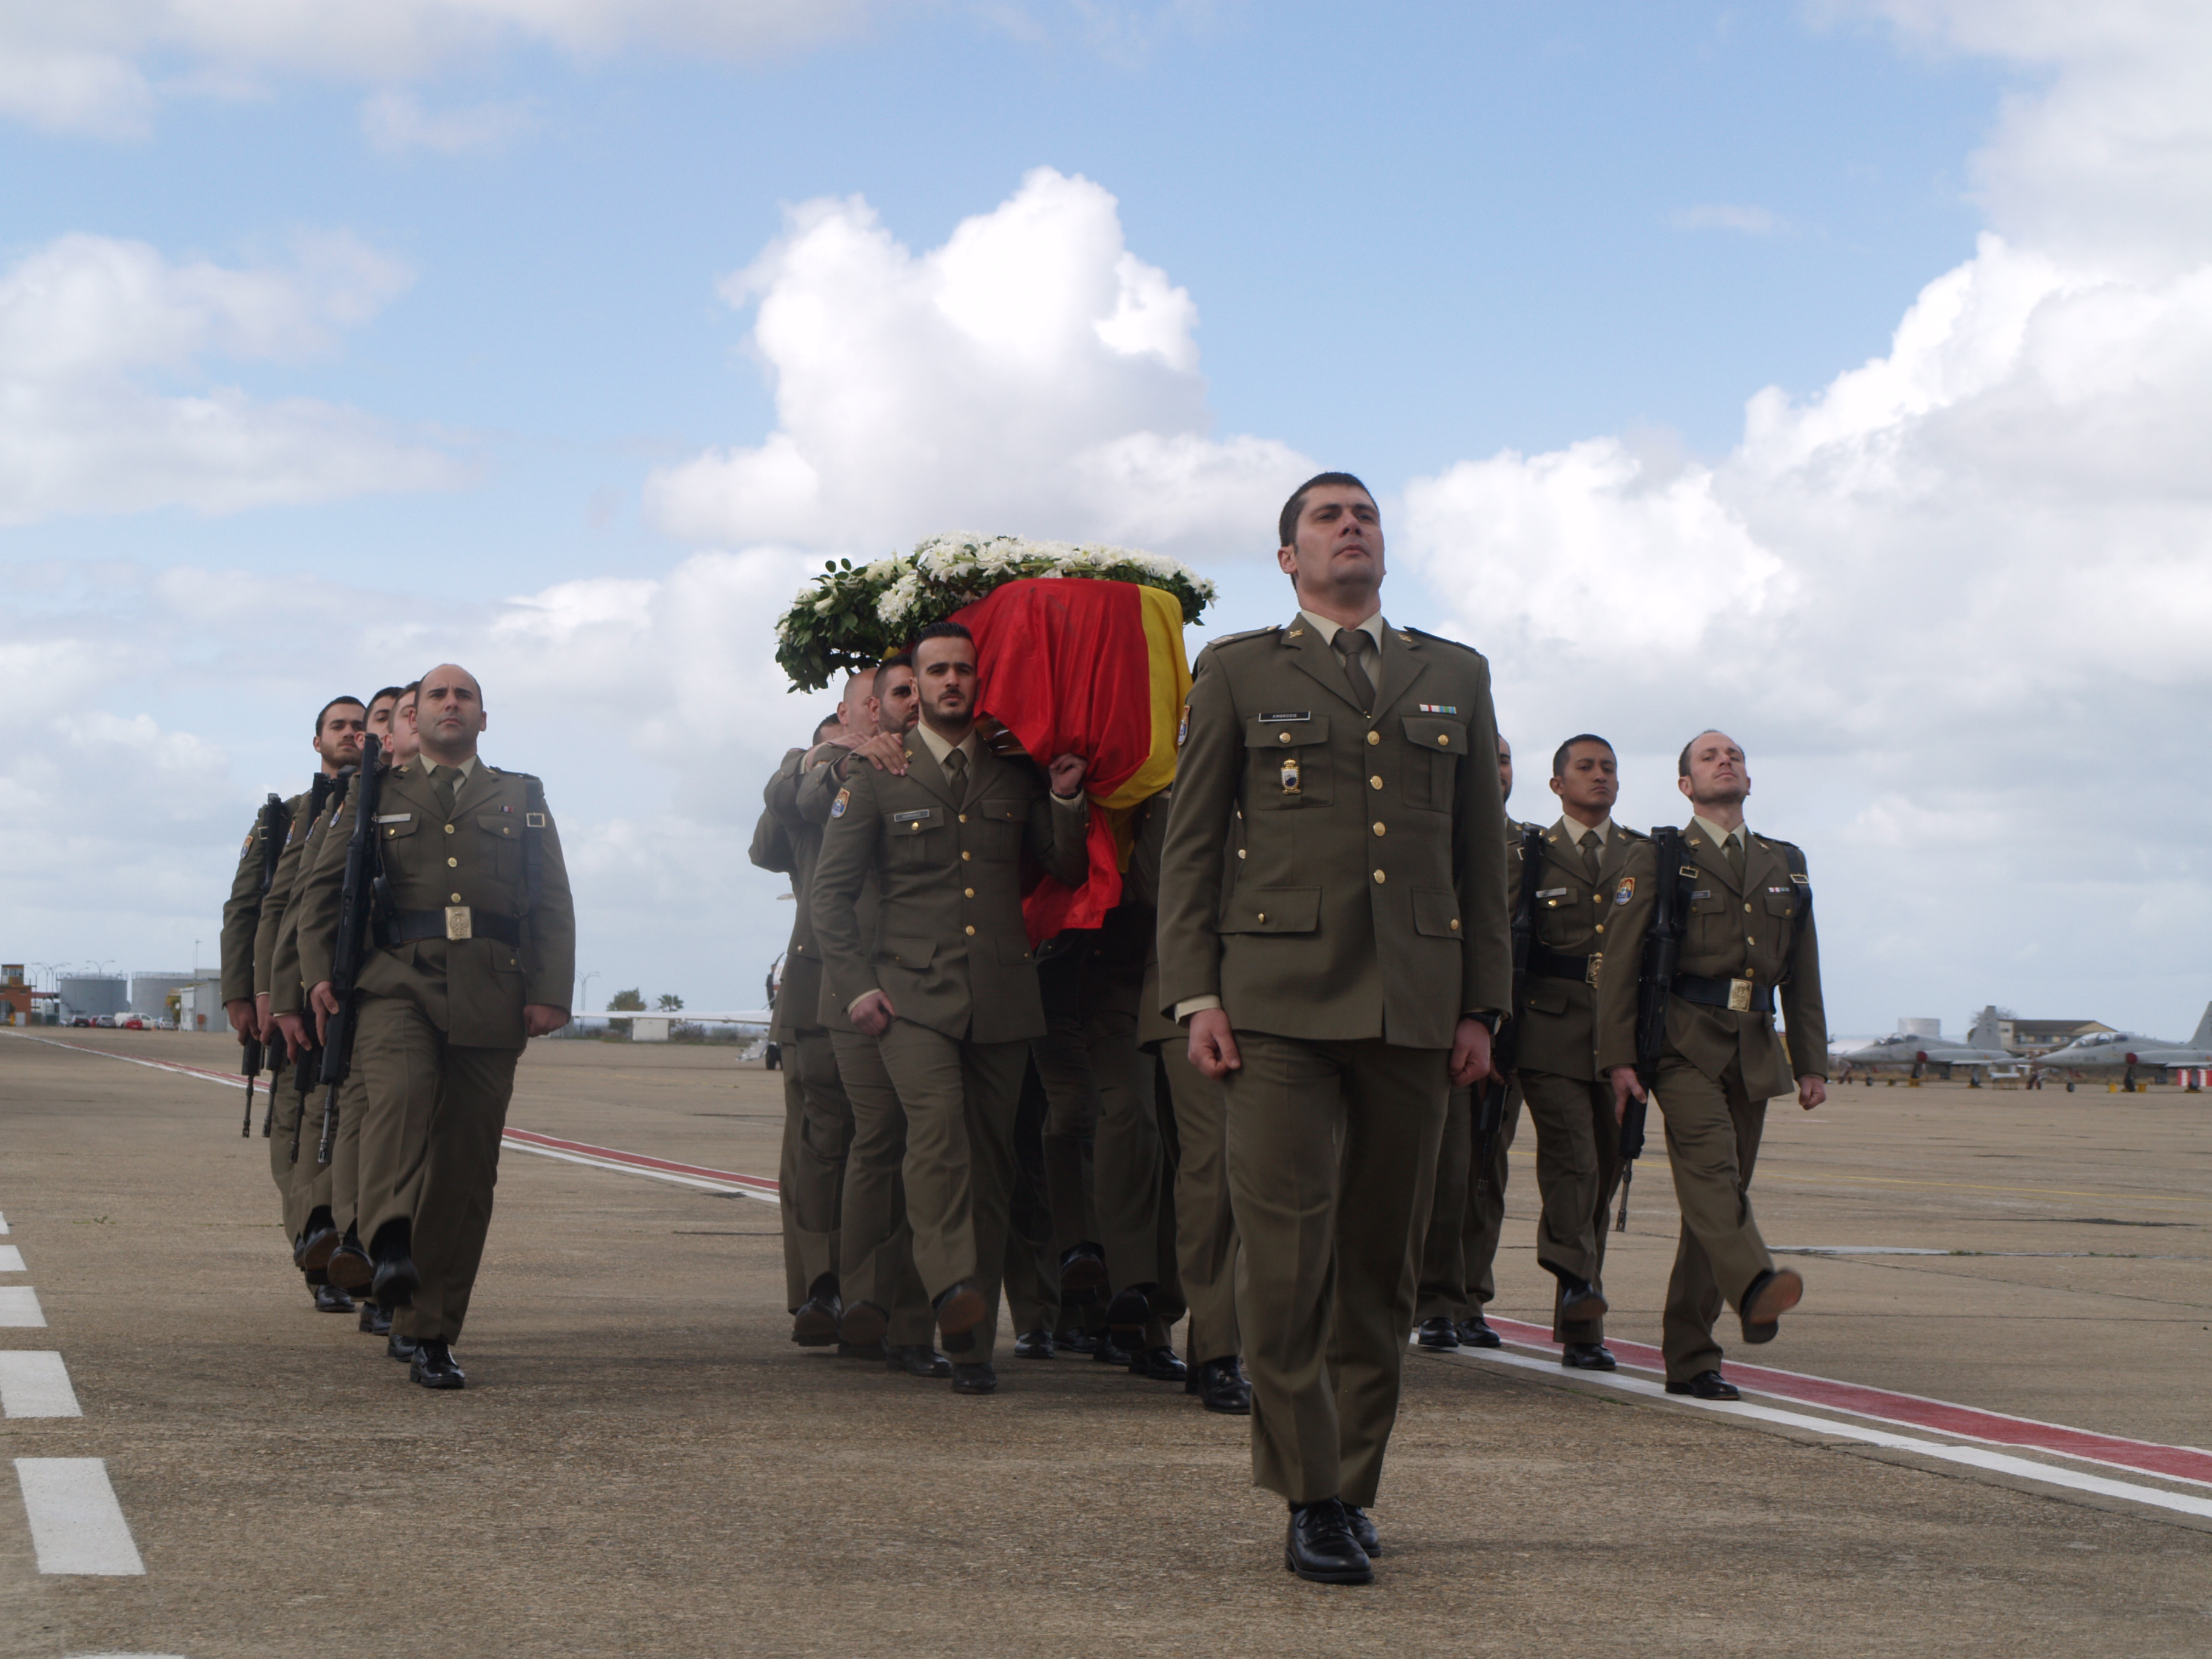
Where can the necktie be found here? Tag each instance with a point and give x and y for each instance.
(956, 772)
(1734, 845)
(1590, 854)
(1351, 644)
(443, 783)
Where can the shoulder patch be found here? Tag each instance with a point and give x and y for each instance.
(1626, 892)
(837, 807)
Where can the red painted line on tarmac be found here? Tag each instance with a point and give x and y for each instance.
(639, 1161)
(1916, 1411)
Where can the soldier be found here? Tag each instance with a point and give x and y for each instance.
(885, 1303)
(1723, 1059)
(1590, 870)
(1351, 974)
(818, 1121)
(476, 956)
(303, 1185)
(948, 985)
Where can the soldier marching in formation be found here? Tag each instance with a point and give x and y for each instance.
(1260, 1093)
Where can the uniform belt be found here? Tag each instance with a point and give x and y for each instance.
(1558, 964)
(1741, 996)
(455, 921)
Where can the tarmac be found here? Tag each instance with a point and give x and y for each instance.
(644, 1464)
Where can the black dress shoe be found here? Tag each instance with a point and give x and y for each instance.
(1439, 1333)
(396, 1346)
(396, 1283)
(1034, 1344)
(1580, 1302)
(863, 1351)
(1770, 1296)
(1223, 1388)
(432, 1365)
(918, 1360)
(1474, 1332)
(1126, 1316)
(349, 1268)
(329, 1298)
(1073, 1340)
(1587, 1356)
(959, 1311)
(1707, 1385)
(375, 1321)
(864, 1322)
(1157, 1365)
(1318, 1545)
(1082, 1274)
(1363, 1529)
(979, 1378)
(1106, 1351)
(815, 1325)
(313, 1248)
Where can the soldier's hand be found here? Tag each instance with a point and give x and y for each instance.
(542, 1019)
(874, 1014)
(240, 1011)
(1212, 1044)
(834, 748)
(1470, 1053)
(1625, 1083)
(292, 1031)
(883, 751)
(324, 1001)
(1066, 773)
(1811, 1091)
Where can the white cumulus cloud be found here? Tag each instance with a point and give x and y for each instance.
(1031, 374)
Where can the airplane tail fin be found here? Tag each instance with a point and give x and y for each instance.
(2203, 1037)
(1985, 1034)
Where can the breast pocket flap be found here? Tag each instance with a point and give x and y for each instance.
(1436, 913)
(1262, 732)
(914, 953)
(1273, 910)
(1427, 732)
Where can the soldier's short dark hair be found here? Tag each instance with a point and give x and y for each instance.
(897, 660)
(1286, 526)
(1560, 756)
(1682, 765)
(325, 713)
(823, 725)
(410, 689)
(942, 630)
(394, 692)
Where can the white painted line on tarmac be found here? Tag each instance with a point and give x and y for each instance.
(633, 1169)
(11, 1260)
(35, 1384)
(3, 1226)
(76, 1525)
(1979, 1457)
(19, 1306)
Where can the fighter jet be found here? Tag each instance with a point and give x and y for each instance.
(1917, 1054)
(2129, 1052)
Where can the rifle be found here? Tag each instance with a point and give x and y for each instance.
(320, 789)
(360, 895)
(1662, 956)
(1490, 1116)
(254, 1057)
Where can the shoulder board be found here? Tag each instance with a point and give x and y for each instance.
(1248, 633)
(1776, 842)
(292, 806)
(1436, 639)
(1633, 834)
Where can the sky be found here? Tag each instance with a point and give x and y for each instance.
(1838, 374)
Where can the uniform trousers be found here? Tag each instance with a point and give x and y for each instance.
(1577, 1164)
(1206, 1226)
(1713, 1127)
(1332, 1154)
(1032, 1265)
(345, 1153)
(1459, 1253)
(429, 1153)
(875, 1245)
(818, 1134)
(304, 1186)
(960, 1098)
(1483, 1221)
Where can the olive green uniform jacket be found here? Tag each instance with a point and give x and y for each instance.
(241, 912)
(1576, 917)
(1369, 900)
(1761, 927)
(474, 990)
(788, 837)
(949, 947)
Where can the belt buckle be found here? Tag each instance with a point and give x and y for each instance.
(1589, 973)
(460, 924)
(1740, 996)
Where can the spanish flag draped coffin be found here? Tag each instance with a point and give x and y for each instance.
(1072, 665)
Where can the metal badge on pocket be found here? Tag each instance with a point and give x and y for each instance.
(1293, 784)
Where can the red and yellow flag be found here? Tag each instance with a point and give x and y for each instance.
(1072, 666)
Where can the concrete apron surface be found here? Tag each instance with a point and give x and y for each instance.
(643, 1462)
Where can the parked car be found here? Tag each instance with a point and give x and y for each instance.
(104, 1022)
(82, 1019)
(130, 1023)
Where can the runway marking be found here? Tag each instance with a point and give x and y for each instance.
(2189, 1463)
(658, 1169)
(76, 1525)
(35, 1384)
(3, 1226)
(19, 1307)
(11, 1260)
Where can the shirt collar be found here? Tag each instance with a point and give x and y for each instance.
(938, 749)
(1373, 628)
(1575, 832)
(1740, 835)
(430, 768)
